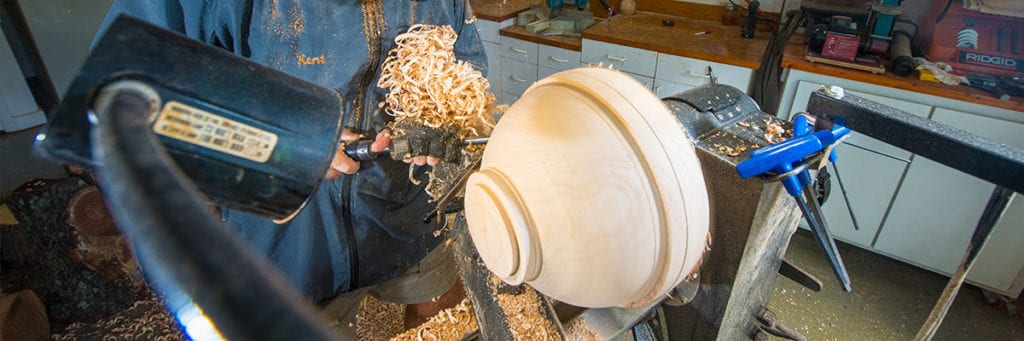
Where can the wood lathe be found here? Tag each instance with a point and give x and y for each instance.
(748, 221)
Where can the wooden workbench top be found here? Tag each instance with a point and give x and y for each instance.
(499, 10)
(570, 43)
(723, 44)
(644, 30)
(794, 59)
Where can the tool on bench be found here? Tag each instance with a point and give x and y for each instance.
(788, 161)
(555, 6)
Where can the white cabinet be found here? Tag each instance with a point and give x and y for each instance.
(937, 209)
(914, 209)
(516, 76)
(695, 72)
(637, 63)
(517, 49)
(556, 58)
(871, 172)
(488, 31)
(518, 66)
(18, 109)
(623, 58)
(664, 74)
(524, 62)
(493, 51)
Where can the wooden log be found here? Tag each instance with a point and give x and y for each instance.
(70, 290)
(23, 317)
(88, 214)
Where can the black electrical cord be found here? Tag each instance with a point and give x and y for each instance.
(179, 240)
(942, 14)
(766, 79)
(760, 14)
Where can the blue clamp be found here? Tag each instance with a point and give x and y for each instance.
(789, 155)
(789, 160)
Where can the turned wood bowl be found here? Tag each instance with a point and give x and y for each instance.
(590, 191)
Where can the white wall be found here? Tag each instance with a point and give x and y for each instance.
(63, 31)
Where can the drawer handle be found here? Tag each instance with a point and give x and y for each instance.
(514, 78)
(694, 74)
(514, 49)
(559, 60)
(619, 59)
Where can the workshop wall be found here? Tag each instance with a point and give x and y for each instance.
(63, 31)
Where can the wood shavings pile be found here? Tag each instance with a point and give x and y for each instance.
(774, 132)
(378, 320)
(146, 319)
(526, 316)
(577, 330)
(449, 324)
(430, 87)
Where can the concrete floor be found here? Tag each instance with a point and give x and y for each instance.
(18, 164)
(890, 301)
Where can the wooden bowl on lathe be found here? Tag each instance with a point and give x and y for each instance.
(590, 191)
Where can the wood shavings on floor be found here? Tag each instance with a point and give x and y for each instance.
(378, 320)
(146, 319)
(526, 316)
(449, 324)
(577, 330)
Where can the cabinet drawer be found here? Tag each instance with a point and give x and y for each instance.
(488, 30)
(557, 58)
(507, 98)
(516, 76)
(625, 58)
(648, 82)
(937, 208)
(544, 72)
(664, 88)
(694, 72)
(520, 50)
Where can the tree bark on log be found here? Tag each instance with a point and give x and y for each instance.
(23, 317)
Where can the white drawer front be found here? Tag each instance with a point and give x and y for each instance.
(493, 51)
(557, 58)
(516, 76)
(664, 88)
(646, 81)
(520, 50)
(694, 72)
(507, 98)
(544, 72)
(625, 58)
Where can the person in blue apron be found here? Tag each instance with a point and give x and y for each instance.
(361, 231)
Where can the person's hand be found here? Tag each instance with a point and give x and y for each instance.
(342, 164)
(423, 145)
